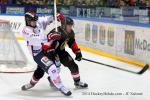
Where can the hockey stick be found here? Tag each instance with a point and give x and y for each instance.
(55, 14)
(145, 68)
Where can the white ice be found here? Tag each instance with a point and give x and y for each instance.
(99, 78)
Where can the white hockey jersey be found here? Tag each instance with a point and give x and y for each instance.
(35, 36)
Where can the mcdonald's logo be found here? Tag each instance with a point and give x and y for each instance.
(87, 32)
(129, 42)
(102, 35)
(94, 33)
(110, 35)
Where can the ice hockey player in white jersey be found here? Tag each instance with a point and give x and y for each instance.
(33, 32)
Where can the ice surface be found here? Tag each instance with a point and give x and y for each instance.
(100, 79)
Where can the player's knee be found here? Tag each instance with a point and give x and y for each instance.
(68, 63)
(39, 73)
(52, 69)
(73, 67)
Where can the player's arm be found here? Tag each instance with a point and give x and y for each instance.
(45, 21)
(74, 46)
(50, 47)
(49, 19)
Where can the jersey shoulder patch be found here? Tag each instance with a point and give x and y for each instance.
(27, 30)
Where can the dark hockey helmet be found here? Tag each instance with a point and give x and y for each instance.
(69, 21)
(30, 16)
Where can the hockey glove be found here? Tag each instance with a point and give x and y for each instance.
(78, 56)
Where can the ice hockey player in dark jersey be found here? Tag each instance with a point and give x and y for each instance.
(67, 36)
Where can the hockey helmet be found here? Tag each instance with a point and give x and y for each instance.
(30, 16)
